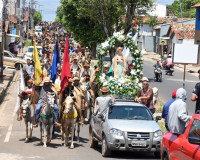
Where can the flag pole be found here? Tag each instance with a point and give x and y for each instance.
(34, 79)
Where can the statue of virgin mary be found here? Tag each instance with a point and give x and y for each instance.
(119, 64)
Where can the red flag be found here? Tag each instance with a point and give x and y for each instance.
(66, 72)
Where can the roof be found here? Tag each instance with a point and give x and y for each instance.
(13, 19)
(189, 30)
(196, 6)
(26, 15)
(164, 20)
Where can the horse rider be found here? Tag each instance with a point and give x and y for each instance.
(46, 89)
(25, 95)
(87, 85)
(75, 67)
(86, 69)
(79, 96)
(69, 91)
(102, 102)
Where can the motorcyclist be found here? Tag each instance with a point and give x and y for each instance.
(169, 61)
(156, 67)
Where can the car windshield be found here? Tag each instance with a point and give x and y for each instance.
(31, 49)
(129, 113)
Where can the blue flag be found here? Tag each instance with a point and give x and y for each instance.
(56, 60)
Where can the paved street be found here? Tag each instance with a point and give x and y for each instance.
(12, 135)
(171, 83)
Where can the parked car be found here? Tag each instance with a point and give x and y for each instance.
(125, 126)
(185, 146)
(10, 60)
(29, 53)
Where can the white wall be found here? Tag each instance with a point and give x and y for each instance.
(159, 10)
(1, 7)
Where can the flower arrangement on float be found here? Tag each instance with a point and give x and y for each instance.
(128, 86)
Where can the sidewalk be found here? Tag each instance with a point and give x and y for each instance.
(193, 69)
(7, 79)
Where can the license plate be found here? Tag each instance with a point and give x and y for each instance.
(139, 143)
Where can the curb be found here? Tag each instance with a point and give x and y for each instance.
(4, 91)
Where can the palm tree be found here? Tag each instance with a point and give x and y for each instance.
(152, 21)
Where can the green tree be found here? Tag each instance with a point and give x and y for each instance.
(84, 29)
(106, 15)
(57, 19)
(37, 17)
(152, 21)
(188, 12)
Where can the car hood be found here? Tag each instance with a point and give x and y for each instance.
(134, 125)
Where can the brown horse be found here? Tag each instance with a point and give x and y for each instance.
(69, 119)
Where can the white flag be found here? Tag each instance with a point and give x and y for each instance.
(22, 82)
(135, 38)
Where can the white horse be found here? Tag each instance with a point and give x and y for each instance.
(69, 121)
(28, 115)
(46, 120)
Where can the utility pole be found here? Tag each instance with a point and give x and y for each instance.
(4, 17)
(182, 18)
(28, 21)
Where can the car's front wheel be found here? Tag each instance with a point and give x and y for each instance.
(105, 151)
(157, 155)
(93, 143)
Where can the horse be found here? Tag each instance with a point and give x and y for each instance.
(69, 121)
(28, 116)
(46, 120)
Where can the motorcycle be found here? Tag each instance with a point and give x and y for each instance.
(170, 70)
(158, 71)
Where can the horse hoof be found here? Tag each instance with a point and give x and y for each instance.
(44, 146)
(71, 147)
(62, 139)
(26, 140)
(65, 145)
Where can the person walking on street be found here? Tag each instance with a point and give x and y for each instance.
(29, 68)
(196, 96)
(102, 102)
(166, 108)
(145, 95)
(178, 117)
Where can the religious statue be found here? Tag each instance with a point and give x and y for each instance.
(119, 64)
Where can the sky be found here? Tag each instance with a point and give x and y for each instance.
(49, 8)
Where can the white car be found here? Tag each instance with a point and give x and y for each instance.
(29, 53)
(10, 60)
(38, 31)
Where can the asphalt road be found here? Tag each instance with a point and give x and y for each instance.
(13, 147)
(12, 133)
(170, 83)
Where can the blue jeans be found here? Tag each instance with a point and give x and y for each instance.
(38, 109)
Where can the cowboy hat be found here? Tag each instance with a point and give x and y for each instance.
(70, 80)
(86, 65)
(30, 81)
(145, 79)
(104, 89)
(47, 79)
(76, 79)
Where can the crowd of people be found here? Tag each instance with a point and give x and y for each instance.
(82, 85)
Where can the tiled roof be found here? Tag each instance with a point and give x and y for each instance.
(13, 19)
(26, 15)
(189, 30)
(162, 20)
